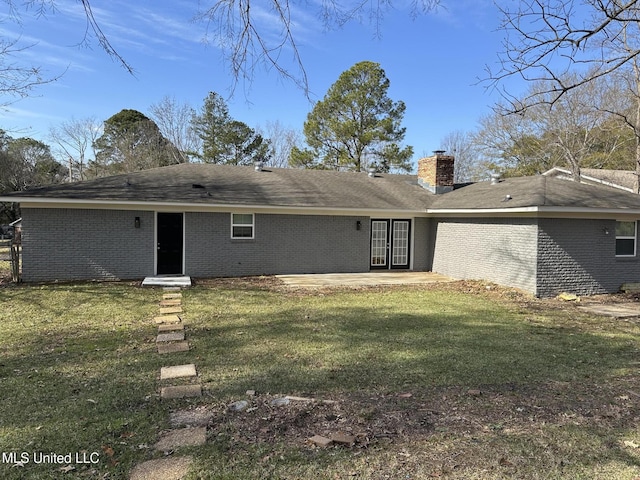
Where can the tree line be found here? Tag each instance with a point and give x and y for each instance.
(355, 127)
(581, 109)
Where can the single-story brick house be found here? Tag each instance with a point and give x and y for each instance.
(541, 234)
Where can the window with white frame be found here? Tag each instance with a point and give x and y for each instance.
(626, 233)
(242, 225)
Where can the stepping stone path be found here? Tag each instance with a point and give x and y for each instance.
(170, 468)
(168, 327)
(167, 319)
(173, 347)
(169, 310)
(177, 382)
(178, 371)
(180, 391)
(170, 337)
(182, 437)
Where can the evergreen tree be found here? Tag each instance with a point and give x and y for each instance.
(225, 140)
(356, 125)
(131, 142)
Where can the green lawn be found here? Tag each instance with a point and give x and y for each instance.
(434, 382)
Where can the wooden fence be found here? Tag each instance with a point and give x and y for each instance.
(15, 255)
(16, 250)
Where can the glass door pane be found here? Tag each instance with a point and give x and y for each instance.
(400, 244)
(379, 243)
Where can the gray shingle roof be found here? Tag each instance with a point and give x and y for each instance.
(624, 178)
(536, 191)
(243, 186)
(223, 185)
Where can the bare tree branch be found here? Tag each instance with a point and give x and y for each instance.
(553, 40)
(250, 42)
(17, 80)
(103, 40)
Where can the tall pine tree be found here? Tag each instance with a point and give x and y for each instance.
(356, 126)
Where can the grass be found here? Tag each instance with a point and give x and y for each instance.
(449, 381)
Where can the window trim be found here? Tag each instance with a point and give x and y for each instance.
(252, 225)
(628, 237)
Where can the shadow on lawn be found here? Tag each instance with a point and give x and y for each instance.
(351, 349)
(535, 373)
(554, 389)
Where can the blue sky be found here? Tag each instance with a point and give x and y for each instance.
(433, 63)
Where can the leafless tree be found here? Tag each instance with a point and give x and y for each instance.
(174, 121)
(249, 43)
(17, 79)
(573, 131)
(565, 44)
(74, 140)
(251, 34)
(282, 140)
(575, 124)
(462, 146)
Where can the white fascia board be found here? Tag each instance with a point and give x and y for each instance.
(483, 212)
(538, 211)
(205, 207)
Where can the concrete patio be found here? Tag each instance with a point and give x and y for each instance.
(362, 279)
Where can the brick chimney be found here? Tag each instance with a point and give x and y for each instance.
(436, 173)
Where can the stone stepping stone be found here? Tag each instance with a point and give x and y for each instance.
(174, 347)
(169, 296)
(170, 310)
(180, 391)
(172, 302)
(170, 327)
(171, 289)
(170, 468)
(178, 371)
(167, 319)
(170, 337)
(198, 417)
(183, 437)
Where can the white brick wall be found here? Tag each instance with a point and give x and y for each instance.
(503, 251)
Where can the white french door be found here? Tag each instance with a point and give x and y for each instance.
(390, 243)
(379, 243)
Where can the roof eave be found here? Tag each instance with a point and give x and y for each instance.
(31, 202)
(538, 211)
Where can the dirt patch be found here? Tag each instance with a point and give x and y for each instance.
(396, 420)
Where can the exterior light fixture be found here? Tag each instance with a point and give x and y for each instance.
(605, 230)
(358, 225)
(136, 222)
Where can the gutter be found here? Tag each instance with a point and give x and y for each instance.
(538, 212)
(31, 202)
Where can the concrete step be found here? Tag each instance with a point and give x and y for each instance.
(178, 371)
(173, 347)
(180, 391)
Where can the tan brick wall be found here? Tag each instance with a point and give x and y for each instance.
(437, 170)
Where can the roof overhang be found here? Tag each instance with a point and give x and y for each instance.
(537, 212)
(526, 212)
(31, 202)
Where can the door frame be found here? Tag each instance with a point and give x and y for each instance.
(389, 250)
(155, 243)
